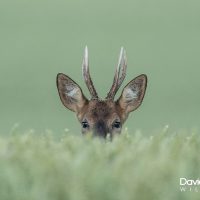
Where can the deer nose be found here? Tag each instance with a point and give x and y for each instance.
(101, 129)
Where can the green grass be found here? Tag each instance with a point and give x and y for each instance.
(41, 38)
(69, 167)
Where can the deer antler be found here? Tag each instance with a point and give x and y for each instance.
(120, 74)
(86, 75)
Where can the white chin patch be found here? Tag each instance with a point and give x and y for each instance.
(131, 94)
(71, 91)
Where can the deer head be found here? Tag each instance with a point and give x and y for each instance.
(102, 116)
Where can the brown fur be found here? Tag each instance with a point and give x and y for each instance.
(102, 116)
(100, 112)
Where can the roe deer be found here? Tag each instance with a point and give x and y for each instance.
(102, 117)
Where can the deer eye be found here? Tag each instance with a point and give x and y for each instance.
(116, 124)
(85, 124)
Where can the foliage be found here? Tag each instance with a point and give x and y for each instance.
(72, 167)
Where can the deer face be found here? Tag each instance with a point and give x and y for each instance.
(101, 117)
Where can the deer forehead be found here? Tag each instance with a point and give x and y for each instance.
(101, 110)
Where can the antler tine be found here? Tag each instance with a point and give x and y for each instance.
(120, 74)
(86, 75)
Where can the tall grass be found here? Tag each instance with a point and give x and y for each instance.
(80, 168)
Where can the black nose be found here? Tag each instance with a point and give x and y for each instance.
(100, 129)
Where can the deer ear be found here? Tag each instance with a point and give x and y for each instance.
(70, 93)
(133, 94)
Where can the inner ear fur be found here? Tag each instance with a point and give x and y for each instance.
(70, 93)
(133, 94)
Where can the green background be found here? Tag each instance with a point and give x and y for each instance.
(40, 38)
